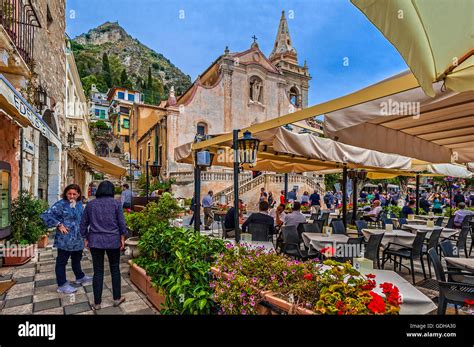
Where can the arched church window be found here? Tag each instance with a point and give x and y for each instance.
(201, 128)
(256, 89)
(294, 96)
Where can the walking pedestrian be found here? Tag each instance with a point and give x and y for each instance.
(207, 206)
(104, 230)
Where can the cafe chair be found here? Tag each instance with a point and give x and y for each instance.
(325, 217)
(410, 253)
(372, 248)
(448, 250)
(432, 242)
(455, 293)
(450, 223)
(315, 227)
(338, 226)
(291, 243)
(439, 221)
(361, 224)
(260, 232)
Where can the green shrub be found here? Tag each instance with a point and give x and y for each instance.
(27, 225)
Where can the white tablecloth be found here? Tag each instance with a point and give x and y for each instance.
(317, 241)
(445, 233)
(414, 301)
(462, 263)
(398, 236)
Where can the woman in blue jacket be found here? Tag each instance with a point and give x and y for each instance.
(66, 216)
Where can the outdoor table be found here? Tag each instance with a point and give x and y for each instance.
(462, 263)
(254, 244)
(398, 236)
(416, 221)
(427, 217)
(446, 233)
(413, 301)
(317, 241)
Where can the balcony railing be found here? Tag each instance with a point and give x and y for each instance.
(19, 20)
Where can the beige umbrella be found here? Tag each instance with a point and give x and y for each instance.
(434, 37)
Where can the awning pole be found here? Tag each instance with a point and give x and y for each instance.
(147, 183)
(354, 198)
(286, 187)
(197, 198)
(344, 195)
(417, 194)
(235, 136)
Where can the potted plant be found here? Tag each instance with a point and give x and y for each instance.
(27, 229)
(245, 277)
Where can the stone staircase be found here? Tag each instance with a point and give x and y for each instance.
(267, 180)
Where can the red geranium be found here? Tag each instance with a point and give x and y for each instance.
(369, 285)
(377, 304)
(391, 293)
(370, 276)
(469, 302)
(308, 277)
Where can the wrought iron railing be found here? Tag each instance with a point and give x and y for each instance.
(19, 20)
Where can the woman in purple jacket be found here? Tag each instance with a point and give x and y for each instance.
(103, 227)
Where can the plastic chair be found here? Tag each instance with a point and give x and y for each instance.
(260, 232)
(315, 227)
(439, 221)
(338, 227)
(291, 243)
(361, 224)
(432, 243)
(449, 292)
(410, 253)
(372, 248)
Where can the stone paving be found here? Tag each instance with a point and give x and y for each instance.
(35, 289)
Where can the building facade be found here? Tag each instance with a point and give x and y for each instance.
(99, 106)
(77, 123)
(121, 102)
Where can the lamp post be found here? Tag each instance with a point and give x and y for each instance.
(202, 160)
(147, 188)
(245, 152)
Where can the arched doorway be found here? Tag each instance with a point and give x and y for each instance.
(49, 169)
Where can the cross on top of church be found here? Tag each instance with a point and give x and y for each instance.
(254, 38)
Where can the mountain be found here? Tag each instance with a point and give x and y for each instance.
(128, 63)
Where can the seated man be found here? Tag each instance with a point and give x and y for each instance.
(408, 209)
(260, 217)
(295, 217)
(229, 225)
(372, 215)
(460, 214)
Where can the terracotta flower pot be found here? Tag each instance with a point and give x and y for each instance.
(43, 241)
(138, 276)
(18, 255)
(154, 295)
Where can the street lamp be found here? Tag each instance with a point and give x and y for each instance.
(247, 148)
(71, 136)
(41, 96)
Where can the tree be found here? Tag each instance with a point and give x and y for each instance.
(150, 80)
(124, 81)
(106, 70)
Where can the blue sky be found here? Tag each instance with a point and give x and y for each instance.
(325, 33)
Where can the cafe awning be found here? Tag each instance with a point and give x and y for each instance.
(434, 37)
(410, 123)
(281, 150)
(96, 163)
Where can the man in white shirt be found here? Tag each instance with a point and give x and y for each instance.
(278, 214)
(295, 217)
(371, 216)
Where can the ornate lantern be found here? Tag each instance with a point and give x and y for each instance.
(248, 147)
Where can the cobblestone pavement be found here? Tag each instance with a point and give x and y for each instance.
(35, 289)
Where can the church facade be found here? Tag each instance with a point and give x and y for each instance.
(237, 90)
